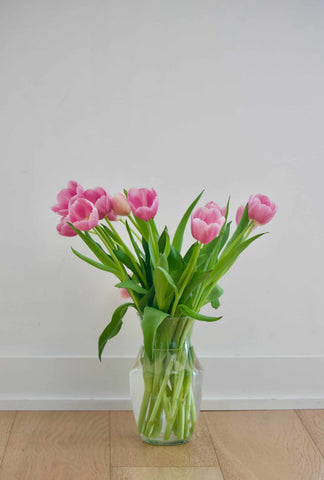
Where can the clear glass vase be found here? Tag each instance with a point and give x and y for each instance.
(166, 386)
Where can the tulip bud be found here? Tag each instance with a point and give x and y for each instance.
(120, 204)
(239, 214)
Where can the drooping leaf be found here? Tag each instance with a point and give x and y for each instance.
(113, 327)
(101, 266)
(178, 236)
(197, 316)
(132, 285)
(152, 318)
(95, 247)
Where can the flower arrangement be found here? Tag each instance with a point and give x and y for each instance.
(166, 288)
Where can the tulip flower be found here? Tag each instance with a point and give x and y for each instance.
(143, 202)
(261, 209)
(206, 223)
(239, 214)
(83, 214)
(100, 199)
(215, 205)
(120, 204)
(64, 228)
(64, 197)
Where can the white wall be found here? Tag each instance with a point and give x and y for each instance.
(179, 95)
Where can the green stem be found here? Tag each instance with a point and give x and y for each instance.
(187, 276)
(123, 274)
(128, 253)
(160, 395)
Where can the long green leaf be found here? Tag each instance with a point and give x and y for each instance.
(152, 318)
(178, 236)
(113, 327)
(101, 266)
(132, 285)
(197, 316)
(94, 247)
(240, 228)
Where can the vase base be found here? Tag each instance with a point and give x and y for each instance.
(161, 442)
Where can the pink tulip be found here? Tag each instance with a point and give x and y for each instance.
(143, 202)
(103, 205)
(215, 205)
(120, 204)
(64, 197)
(239, 214)
(100, 199)
(261, 209)
(83, 214)
(64, 228)
(206, 223)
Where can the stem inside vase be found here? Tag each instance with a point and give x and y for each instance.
(172, 385)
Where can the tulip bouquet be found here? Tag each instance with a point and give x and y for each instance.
(166, 288)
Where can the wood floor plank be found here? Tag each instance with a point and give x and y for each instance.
(166, 473)
(128, 450)
(58, 446)
(6, 420)
(267, 445)
(314, 423)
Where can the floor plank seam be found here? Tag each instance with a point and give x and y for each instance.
(309, 434)
(214, 448)
(9, 434)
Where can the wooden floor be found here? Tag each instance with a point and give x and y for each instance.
(247, 445)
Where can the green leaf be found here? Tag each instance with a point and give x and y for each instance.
(101, 266)
(227, 260)
(240, 228)
(95, 247)
(197, 316)
(124, 258)
(132, 285)
(178, 236)
(113, 327)
(138, 251)
(175, 261)
(214, 296)
(164, 242)
(142, 227)
(189, 252)
(152, 318)
(161, 286)
(196, 280)
(168, 278)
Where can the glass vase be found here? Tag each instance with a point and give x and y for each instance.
(166, 385)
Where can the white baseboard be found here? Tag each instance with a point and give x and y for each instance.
(230, 383)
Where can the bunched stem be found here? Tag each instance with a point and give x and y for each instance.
(168, 410)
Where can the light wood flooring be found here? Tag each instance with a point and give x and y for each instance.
(233, 445)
